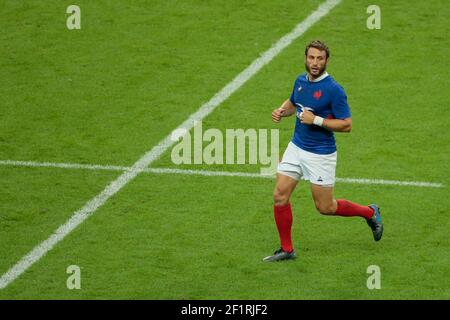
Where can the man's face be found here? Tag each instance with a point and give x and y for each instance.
(316, 62)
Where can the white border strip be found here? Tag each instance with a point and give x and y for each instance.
(208, 173)
(139, 166)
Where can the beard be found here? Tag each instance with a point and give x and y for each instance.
(319, 72)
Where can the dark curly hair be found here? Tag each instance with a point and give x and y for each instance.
(320, 45)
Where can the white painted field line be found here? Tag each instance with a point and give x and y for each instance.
(62, 165)
(391, 182)
(207, 173)
(90, 207)
(258, 175)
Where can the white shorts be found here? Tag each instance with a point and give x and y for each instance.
(319, 169)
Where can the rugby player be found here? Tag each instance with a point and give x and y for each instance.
(320, 106)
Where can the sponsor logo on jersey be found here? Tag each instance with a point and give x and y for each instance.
(303, 107)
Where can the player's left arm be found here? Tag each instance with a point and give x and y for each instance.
(341, 119)
(337, 125)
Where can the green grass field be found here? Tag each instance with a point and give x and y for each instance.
(109, 92)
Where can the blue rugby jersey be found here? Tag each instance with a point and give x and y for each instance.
(325, 98)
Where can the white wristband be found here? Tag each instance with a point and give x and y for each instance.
(318, 121)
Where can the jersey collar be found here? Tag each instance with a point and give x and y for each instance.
(323, 76)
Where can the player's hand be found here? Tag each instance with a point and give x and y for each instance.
(307, 117)
(277, 114)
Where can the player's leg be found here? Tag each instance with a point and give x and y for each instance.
(321, 172)
(324, 199)
(326, 204)
(284, 187)
(289, 172)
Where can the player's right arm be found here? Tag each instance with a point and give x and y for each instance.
(287, 109)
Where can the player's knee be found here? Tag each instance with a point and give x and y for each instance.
(280, 197)
(324, 208)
